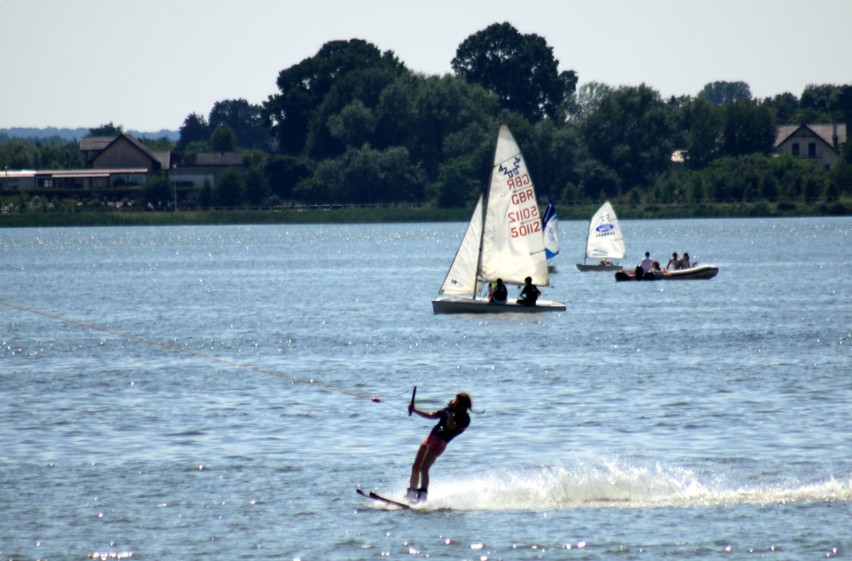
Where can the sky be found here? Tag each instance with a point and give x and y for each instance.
(147, 65)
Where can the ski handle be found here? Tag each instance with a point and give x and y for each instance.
(410, 407)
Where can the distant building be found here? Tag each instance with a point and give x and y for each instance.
(123, 151)
(820, 143)
(17, 179)
(121, 161)
(113, 161)
(207, 167)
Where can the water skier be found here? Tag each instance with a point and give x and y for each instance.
(452, 421)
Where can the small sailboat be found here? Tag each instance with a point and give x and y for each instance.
(503, 241)
(550, 223)
(604, 241)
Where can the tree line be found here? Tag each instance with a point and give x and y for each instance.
(353, 125)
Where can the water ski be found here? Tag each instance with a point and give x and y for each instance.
(376, 497)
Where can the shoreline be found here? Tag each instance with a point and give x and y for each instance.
(367, 215)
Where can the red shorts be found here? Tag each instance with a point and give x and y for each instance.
(435, 444)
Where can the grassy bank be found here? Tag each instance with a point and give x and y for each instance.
(354, 215)
(348, 215)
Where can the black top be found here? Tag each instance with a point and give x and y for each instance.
(501, 293)
(443, 432)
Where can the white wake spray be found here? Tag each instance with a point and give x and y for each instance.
(619, 484)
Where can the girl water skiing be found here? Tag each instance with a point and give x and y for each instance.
(452, 421)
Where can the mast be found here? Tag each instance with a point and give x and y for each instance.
(477, 287)
(588, 235)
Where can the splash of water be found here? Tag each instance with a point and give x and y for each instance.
(620, 484)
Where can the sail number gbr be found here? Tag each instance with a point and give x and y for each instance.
(524, 221)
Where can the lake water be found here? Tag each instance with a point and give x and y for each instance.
(207, 393)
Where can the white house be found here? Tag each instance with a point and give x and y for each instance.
(820, 143)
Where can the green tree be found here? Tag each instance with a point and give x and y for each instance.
(354, 125)
(162, 144)
(844, 105)
(364, 175)
(437, 119)
(229, 190)
(597, 182)
(769, 188)
(194, 129)
(696, 190)
(285, 172)
(723, 92)
(191, 150)
(748, 127)
(107, 130)
(245, 120)
(205, 197)
(157, 191)
(820, 97)
(758, 176)
(839, 180)
(630, 133)
(351, 100)
(587, 100)
(456, 186)
(223, 139)
(520, 69)
(553, 153)
(18, 155)
(324, 183)
(60, 156)
(256, 186)
(703, 121)
(785, 106)
(303, 89)
(824, 103)
(401, 179)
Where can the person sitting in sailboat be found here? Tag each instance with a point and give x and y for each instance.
(499, 294)
(529, 294)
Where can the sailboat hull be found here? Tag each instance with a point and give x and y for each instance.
(701, 272)
(597, 267)
(460, 305)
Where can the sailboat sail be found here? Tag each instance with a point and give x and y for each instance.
(512, 242)
(551, 239)
(461, 278)
(605, 240)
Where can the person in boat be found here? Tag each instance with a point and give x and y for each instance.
(452, 421)
(655, 267)
(646, 262)
(499, 293)
(684, 262)
(673, 263)
(529, 294)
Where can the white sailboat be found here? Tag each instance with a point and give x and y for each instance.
(550, 223)
(503, 241)
(604, 241)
